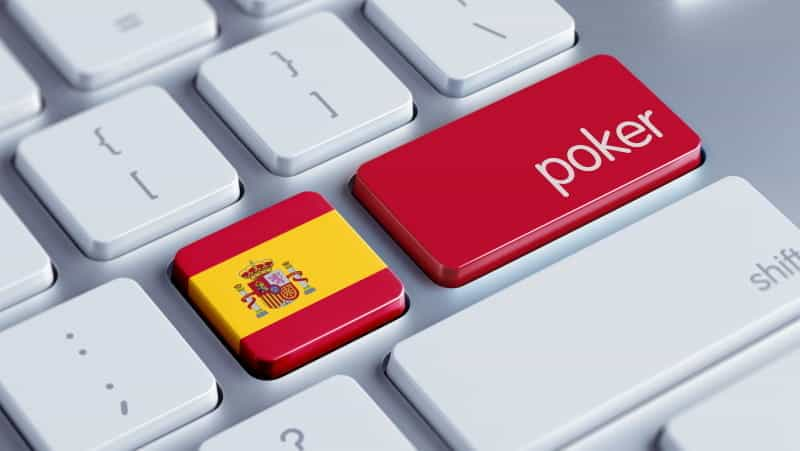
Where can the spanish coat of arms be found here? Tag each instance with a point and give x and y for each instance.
(270, 288)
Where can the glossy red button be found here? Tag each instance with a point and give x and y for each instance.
(494, 185)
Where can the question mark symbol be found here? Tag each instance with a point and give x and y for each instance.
(298, 441)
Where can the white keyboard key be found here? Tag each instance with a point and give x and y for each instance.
(101, 41)
(19, 95)
(336, 414)
(462, 46)
(608, 328)
(265, 7)
(305, 93)
(25, 268)
(108, 358)
(757, 413)
(127, 172)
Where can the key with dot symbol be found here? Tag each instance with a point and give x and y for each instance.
(98, 343)
(462, 46)
(103, 41)
(140, 157)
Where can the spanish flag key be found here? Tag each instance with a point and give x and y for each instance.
(288, 284)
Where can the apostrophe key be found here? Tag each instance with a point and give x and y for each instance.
(105, 371)
(101, 41)
(288, 284)
(505, 180)
(109, 174)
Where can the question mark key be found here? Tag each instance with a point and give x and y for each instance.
(334, 414)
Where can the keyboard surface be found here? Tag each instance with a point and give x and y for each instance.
(729, 69)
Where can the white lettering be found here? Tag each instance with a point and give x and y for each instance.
(557, 183)
(589, 158)
(638, 129)
(645, 118)
(574, 159)
(603, 145)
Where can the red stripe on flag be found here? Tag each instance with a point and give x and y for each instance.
(324, 326)
(245, 234)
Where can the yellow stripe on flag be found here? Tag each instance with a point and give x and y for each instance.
(326, 249)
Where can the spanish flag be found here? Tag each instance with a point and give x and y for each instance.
(288, 284)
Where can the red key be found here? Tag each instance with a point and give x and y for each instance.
(505, 180)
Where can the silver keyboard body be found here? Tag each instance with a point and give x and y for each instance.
(730, 69)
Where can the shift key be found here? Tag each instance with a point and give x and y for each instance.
(507, 179)
(587, 340)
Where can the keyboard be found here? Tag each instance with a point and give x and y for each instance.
(398, 224)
